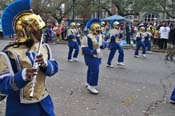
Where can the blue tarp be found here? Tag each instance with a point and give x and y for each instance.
(116, 17)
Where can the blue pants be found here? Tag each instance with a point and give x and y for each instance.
(29, 110)
(172, 97)
(93, 74)
(75, 55)
(128, 40)
(78, 40)
(147, 45)
(138, 45)
(112, 53)
(15, 108)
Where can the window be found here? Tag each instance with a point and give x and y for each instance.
(149, 17)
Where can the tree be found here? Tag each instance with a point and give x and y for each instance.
(51, 8)
(133, 7)
(168, 7)
(4, 3)
(83, 8)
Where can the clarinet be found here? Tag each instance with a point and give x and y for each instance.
(35, 66)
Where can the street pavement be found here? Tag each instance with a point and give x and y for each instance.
(141, 88)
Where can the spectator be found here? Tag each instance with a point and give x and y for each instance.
(164, 32)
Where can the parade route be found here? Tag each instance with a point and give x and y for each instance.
(141, 88)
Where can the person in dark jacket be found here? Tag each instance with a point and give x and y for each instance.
(171, 48)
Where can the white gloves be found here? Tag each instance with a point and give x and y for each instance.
(98, 50)
(78, 35)
(28, 74)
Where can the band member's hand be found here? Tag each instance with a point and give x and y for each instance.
(40, 60)
(28, 74)
(98, 50)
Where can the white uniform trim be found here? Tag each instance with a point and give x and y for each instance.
(25, 101)
(5, 75)
(49, 50)
(84, 42)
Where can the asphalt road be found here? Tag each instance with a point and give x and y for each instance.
(141, 88)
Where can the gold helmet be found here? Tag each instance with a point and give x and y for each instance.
(142, 29)
(149, 29)
(19, 19)
(78, 24)
(72, 25)
(95, 28)
(27, 23)
(116, 24)
(93, 25)
(102, 23)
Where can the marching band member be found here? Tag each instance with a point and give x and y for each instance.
(79, 33)
(140, 37)
(147, 41)
(91, 48)
(72, 42)
(23, 63)
(103, 28)
(115, 39)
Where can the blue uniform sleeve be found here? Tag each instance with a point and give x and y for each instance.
(10, 84)
(120, 35)
(71, 37)
(52, 68)
(88, 51)
(112, 38)
(104, 45)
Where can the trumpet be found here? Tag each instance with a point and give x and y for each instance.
(35, 66)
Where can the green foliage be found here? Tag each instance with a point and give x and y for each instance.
(4, 3)
(165, 6)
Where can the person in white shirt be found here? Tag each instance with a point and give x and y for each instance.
(164, 33)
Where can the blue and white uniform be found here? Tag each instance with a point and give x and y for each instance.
(72, 43)
(115, 36)
(91, 46)
(147, 41)
(140, 37)
(17, 81)
(17, 89)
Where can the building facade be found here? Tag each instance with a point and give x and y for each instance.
(141, 17)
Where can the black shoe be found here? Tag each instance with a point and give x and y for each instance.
(171, 58)
(166, 57)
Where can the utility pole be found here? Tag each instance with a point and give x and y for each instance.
(98, 13)
(73, 15)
